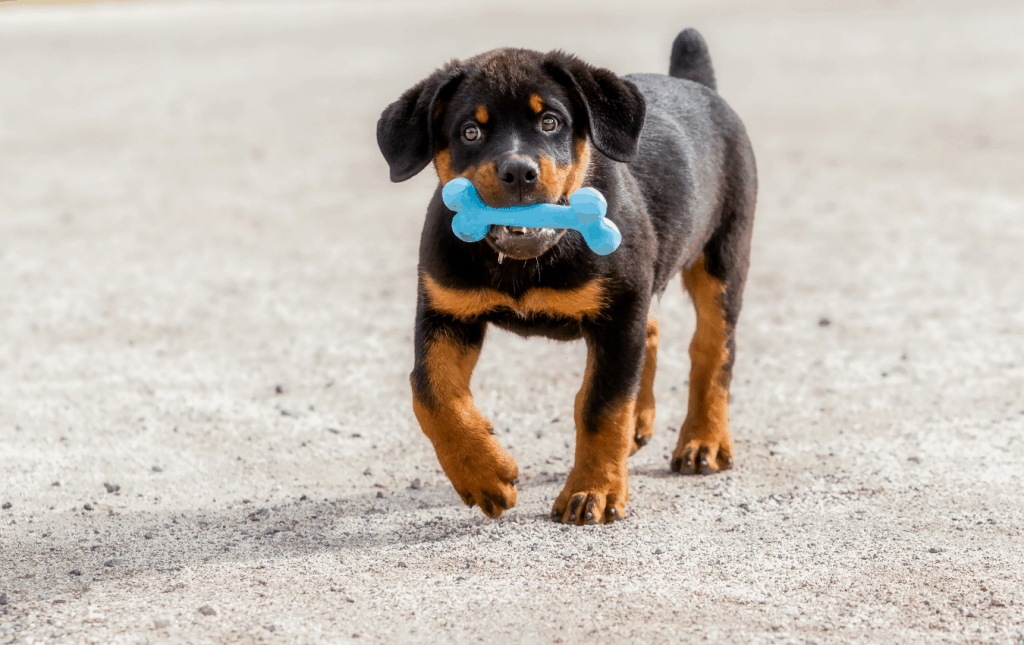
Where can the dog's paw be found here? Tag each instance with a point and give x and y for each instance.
(643, 435)
(486, 478)
(696, 456)
(599, 505)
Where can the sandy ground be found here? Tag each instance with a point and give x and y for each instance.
(206, 299)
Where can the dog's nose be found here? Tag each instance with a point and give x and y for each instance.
(518, 174)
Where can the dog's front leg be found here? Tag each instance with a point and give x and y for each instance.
(597, 489)
(479, 469)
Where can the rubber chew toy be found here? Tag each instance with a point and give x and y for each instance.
(585, 213)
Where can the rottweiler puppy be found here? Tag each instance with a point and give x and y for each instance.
(676, 166)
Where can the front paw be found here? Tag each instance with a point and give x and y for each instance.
(581, 504)
(484, 476)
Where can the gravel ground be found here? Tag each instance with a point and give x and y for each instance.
(206, 297)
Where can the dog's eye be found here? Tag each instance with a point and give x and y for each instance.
(548, 123)
(470, 133)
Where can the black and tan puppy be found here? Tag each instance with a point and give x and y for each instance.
(677, 169)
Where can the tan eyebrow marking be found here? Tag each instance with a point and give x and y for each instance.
(481, 114)
(536, 103)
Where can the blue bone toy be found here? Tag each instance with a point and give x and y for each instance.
(585, 213)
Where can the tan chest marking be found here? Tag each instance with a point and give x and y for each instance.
(467, 304)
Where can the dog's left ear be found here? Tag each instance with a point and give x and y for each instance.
(615, 108)
(406, 129)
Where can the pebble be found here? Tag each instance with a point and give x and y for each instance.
(161, 622)
(88, 507)
(75, 572)
(207, 610)
(3, 598)
(824, 322)
(112, 488)
(934, 550)
(270, 628)
(6, 505)
(380, 495)
(148, 536)
(114, 562)
(157, 469)
(415, 485)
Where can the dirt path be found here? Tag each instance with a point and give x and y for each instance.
(207, 289)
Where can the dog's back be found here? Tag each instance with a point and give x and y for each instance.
(694, 156)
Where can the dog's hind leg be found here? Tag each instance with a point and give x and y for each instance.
(715, 282)
(645, 397)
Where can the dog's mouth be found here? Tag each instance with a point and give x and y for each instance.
(521, 242)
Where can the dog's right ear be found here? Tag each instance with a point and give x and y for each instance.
(406, 129)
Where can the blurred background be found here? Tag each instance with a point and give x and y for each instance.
(207, 282)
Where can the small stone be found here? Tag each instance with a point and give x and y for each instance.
(75, 572)
(415, 485)
(161, 622)
(270, 628)
(367, 472)
(916, 460)
(88, 507)
(157, 469)
(303, 498)
(403, 565)
(58, 601)
(112, 488)
(207, 610)
(6, 505)
(115, 562)
(55, 484)
(148, 536)
(934, 550)
(380, 494)
(279, 389)
(824, 322)
(658, 552)
(3, 598)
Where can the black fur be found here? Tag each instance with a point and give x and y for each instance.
(672, 159)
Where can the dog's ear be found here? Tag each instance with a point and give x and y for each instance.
(615, 108)
(406, 129)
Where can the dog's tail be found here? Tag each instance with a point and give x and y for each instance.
(691, 60)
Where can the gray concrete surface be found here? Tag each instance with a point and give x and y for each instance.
(194, 216)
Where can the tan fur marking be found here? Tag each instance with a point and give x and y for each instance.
(484, 176)
(467, 304)
(645, 397)
(707, 417)
(536, 103)
(443, 165)
(558, 181)
(481, 114)
(479, 469)
(599, 474)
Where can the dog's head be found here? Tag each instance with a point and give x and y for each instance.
(517, 123)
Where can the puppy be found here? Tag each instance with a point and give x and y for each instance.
(676, 166)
